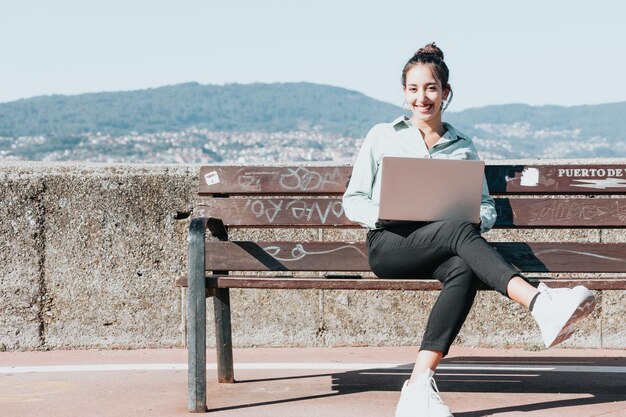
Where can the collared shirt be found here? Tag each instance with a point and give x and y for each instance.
(402, 138)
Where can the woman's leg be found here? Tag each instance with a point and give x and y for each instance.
(464, 240)
(520, 291)
(448, 314)
(426, 360)
(414, 252)
(403, 251)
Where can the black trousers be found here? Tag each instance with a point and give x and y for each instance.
(454, 253)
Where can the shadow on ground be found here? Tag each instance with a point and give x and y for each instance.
(602, 387)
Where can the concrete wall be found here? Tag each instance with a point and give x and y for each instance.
(89, 254)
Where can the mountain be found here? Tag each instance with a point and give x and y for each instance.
(276, 123)
(232, 107)
(606, 120)
(523, 131)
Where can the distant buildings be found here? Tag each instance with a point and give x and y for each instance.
(194, 145)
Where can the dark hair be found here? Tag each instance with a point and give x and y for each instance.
(431, 56)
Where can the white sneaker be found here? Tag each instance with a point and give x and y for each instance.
(421, 399)
(557, 310)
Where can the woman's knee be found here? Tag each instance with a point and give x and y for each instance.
(382, 267)
(457, 270)
(376, 267)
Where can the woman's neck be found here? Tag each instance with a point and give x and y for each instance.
(429, 127)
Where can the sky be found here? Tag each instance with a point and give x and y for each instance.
(536, 52)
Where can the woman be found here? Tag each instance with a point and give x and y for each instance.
(451, 251)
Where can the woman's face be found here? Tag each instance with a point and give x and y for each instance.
(424, 93)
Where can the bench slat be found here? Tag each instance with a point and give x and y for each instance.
(274, 179)
(328, 212)
(561, 212)
(605, 283)
(523, 179)
(556, 179)
(346, 256)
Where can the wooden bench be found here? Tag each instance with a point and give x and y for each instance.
(530, 196)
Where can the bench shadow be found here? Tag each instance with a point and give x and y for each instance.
(521, 256)
(499, 176)
(455, 377)
(257, 252)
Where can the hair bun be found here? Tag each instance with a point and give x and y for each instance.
(430, 49)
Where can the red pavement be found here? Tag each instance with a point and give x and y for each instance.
(473, 382)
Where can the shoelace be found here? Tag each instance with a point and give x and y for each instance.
(435, 393)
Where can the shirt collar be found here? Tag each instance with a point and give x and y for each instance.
(403, 122)
(400, 123)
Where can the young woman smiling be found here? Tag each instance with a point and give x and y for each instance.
(452, 251)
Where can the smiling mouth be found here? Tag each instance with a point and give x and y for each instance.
(424, 109)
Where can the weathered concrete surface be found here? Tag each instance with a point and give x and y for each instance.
(543, 235)
(90, 252)
(21, 265)
(378, 318)
(612, 235)
(112, 250)
(103, 254)
(613, 310)
(276, 317)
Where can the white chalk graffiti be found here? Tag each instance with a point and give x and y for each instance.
(299, 178)
(593, 255)
(298, 209)
(265, 207)
(298, 252)
(304, 179)
(571, 210)
(248, 181)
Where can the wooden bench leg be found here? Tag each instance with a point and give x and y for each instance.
(196, 318)
(223, 336)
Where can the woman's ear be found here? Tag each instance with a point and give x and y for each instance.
(446, 92)
(404, 94)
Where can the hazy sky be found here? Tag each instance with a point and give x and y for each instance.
(535, 51)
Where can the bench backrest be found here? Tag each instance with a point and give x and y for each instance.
(527, 196)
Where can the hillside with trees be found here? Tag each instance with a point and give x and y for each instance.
(270, 122)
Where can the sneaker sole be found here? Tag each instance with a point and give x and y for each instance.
(584, 309)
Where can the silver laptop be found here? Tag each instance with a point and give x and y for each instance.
(419, 189)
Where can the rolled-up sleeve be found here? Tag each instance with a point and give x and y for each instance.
(488, 213)
(357, 200)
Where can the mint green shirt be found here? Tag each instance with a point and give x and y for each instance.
(402, 138)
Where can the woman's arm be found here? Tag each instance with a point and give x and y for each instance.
(488, 213)
(357, 200)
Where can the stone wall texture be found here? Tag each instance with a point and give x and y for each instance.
(89, 255)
